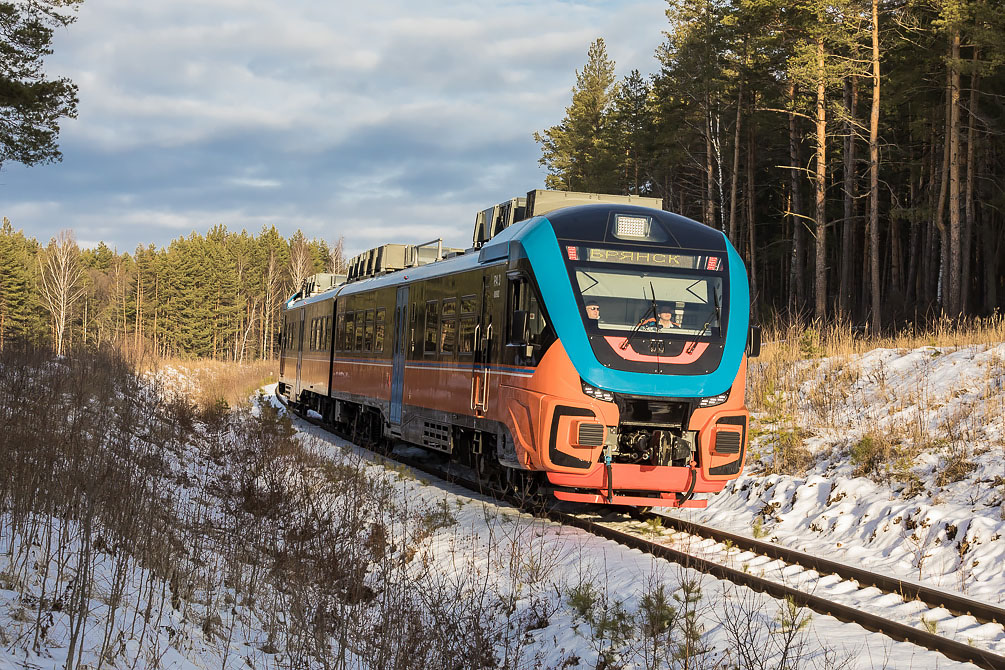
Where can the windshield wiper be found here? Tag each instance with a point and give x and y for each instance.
(652, 312)
(714, 315)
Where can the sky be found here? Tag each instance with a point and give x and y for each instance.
(380, 121)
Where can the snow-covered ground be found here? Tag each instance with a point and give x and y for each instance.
(936, 516)
(526, 593)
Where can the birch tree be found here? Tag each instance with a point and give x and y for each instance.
(301, 260)
(62, 283)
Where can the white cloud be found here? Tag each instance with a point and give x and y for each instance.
(251, 182)
(406, 116)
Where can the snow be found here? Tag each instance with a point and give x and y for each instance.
(528, 576)
(944, 533)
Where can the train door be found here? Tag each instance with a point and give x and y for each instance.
(398, 355)
(483, 345)
(284, 333)
(300, 348)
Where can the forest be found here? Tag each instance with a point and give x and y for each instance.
(215, 296)
(852, 151)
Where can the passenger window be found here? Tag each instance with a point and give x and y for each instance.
(432, 327)
(448, 336)
(448, 327)
(378, 344)
(350, 331)
(466, 340)
(469, 304)
(368, 334)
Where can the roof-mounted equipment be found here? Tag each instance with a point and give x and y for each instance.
(490, 222)
(393, 257)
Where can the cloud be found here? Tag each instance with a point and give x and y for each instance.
(382, 121)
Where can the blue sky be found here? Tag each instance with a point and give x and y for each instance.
(380, 121)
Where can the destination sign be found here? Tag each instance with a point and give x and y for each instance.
(647, 258)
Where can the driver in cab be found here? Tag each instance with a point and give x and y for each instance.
(663, 320)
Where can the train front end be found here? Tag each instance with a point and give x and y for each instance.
(640, 401)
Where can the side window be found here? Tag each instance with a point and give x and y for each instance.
(468, 321)
(432, 327)
(448, 327)
(340, 331)
(378, 344)
(368, 333)
(523, 298)
(350, 332)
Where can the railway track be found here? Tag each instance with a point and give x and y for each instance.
(897, 630)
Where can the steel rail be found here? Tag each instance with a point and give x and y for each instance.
(958, 604)
(957, 651)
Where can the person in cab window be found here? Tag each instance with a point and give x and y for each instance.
(593, 310)
(664, 319)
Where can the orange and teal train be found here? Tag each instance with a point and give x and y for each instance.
(492, 356)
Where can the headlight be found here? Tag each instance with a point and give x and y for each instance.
(714, 400)
(599, 394)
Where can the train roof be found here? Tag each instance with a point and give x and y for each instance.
(589, 223)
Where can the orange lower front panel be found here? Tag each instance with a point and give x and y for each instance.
(630, 481)
(665, 500)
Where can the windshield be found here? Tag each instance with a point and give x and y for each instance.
(652, 300)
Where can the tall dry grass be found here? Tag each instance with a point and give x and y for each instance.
(208, 383)
(787, 343)
(807, 380)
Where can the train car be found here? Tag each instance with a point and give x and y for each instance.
(600, 348)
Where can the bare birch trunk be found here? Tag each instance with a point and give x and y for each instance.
(61, 284)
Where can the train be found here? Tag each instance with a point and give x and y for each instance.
(593, 345)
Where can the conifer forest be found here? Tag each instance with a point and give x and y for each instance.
(852, 151)
(216, 295)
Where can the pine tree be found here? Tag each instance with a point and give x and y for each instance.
(630, 134)
(575, 151)
(15, 284)
(32, 105)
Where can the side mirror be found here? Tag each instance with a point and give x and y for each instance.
(754, 342)
(518, 327)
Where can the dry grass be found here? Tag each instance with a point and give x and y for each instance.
(787, 344)
(212, 383)
(795, 394)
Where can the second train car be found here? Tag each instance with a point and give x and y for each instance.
(600, 348)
